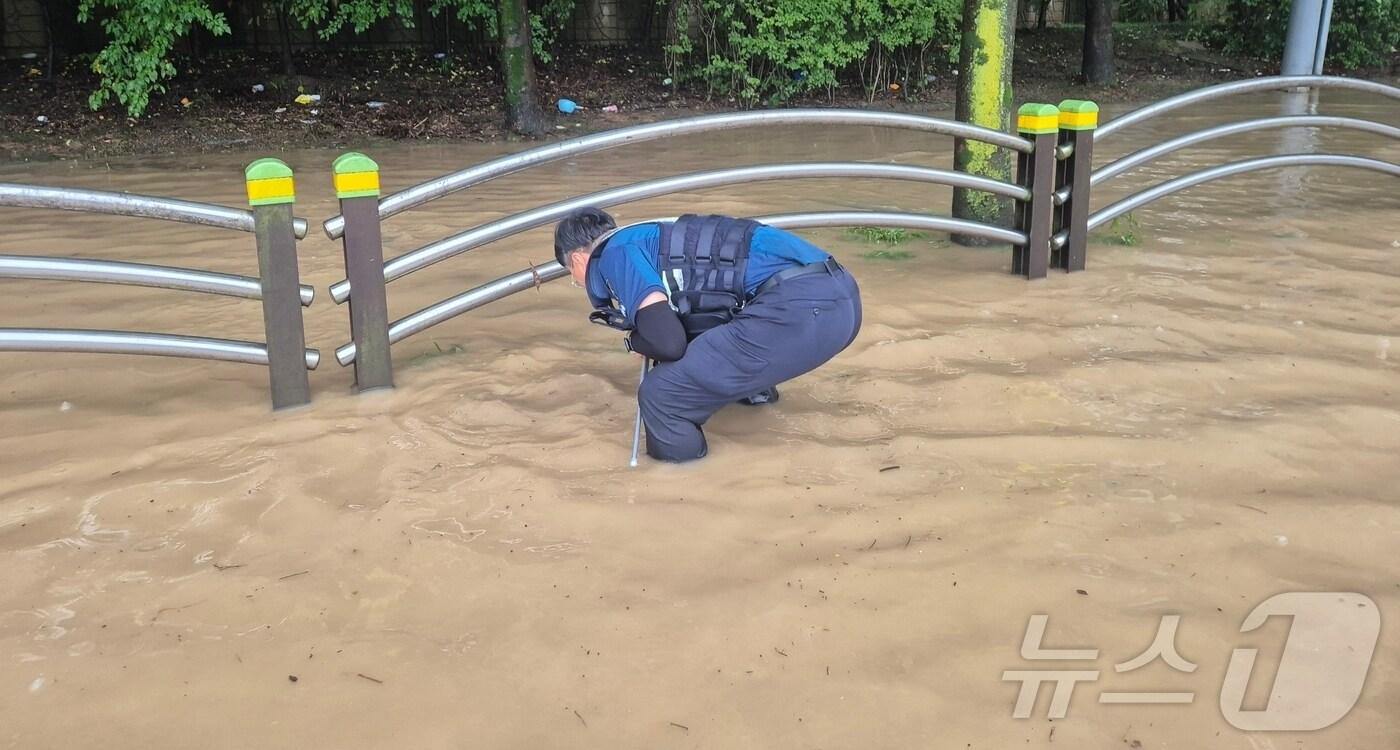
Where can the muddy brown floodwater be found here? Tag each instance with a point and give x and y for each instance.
(1199, 422)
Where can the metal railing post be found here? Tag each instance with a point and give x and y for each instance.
(357, 187)
(271, 193)
(1038, 123)
(1078, 119)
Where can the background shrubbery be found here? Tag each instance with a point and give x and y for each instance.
(752, 51)
(770, 51)
(1364, 33)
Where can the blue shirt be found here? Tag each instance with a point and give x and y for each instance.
(627, 269)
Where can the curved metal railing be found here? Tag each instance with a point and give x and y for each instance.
(137, 274)
(510, 225)
(271, 192)
(1078, 176)
(1114, 210)
(131, 342)
(129, 204)
(1143, 156)
(506, 286)
(1270, 83)
(447, 184)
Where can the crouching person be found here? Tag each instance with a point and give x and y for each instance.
(728, 308)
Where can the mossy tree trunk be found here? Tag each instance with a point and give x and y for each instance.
(984, 98)
(523, 111)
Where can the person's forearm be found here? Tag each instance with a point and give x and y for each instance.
(658, 334)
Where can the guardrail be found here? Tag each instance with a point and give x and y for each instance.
(475, 175)
(1079, 122)
(127, 204)
(1051, 191)
(367, 273)
(271, 193)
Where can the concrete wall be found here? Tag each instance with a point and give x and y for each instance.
(616, 21)
(22, 22)
(1055, 14)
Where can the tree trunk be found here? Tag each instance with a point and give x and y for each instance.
(1098, 43)
(984, 98)
(284, 38)
(49, 33)
(1044, 11)
(523, 112)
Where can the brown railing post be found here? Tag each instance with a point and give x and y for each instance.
(1038, 123)
(357, 186)
(271, 193)
(1078, 119)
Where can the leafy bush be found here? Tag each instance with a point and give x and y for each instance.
(547, 19)
(886, 254)
(330, 16)
(1123, 231)
(883, 235)
(754, 50)
(140, 34)
(545, 25)
(1364, 33)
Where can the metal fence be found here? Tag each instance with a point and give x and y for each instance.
(1052, 194)
(1078, 178)
(278, 287)
(367, 272)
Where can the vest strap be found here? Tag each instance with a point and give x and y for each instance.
(711, 255)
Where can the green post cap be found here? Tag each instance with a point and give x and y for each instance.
(269, 182)
(267, 169)
(356, 176)
(1038, 119)
(354, 161)
(1076, 114)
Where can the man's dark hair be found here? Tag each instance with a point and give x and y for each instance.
(579, 229)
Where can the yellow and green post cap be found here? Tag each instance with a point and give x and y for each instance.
(269, 182)
(356, 176)
(1037, 119)
(1078, 115)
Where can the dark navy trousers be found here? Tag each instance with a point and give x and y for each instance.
(785, 331)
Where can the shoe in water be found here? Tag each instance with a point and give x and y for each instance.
(765, 396)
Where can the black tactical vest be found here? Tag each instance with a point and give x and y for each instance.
(703, 260)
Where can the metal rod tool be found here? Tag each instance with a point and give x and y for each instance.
(637, 428)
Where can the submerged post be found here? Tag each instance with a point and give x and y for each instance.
(271, 193)
(1038, 123)
(1302, 39)
(1078, 119)
(357, 187)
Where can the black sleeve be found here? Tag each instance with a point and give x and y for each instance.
(658, 333)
